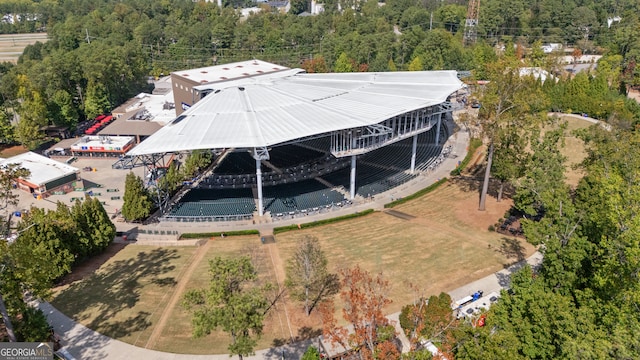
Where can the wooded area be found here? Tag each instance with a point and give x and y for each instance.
(100, 52)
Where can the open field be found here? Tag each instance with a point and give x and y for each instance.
(444, 246)
(127, 295)
(12, 45)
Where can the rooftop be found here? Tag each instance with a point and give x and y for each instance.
(43, 169)
(227, 72)
(274, 108)
(113, 143)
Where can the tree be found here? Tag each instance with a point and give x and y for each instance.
(43, 253)
(230, 304)
(8, 198)
(429, 319)
(95, 231)
(315, 65)
(172, 179)
(307, 275)
(312, 353)
(416, 64)
(6, 129)
(197, 160)
(364, 298)
(507, 103)
(137, 203)
(343, 64)
(298, 6)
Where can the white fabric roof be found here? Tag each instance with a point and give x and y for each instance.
(43, 169)
(275, 108)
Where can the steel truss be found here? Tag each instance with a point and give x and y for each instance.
(357, 141)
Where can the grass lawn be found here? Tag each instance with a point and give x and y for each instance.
(176, 336)
(126, 296)
(446, 245)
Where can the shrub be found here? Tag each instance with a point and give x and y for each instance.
(214, 234)
(491, 228)
(282, 229)
(474, 144)
(417, 194)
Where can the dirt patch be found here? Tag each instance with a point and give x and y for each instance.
(7, 151)
(466, 209)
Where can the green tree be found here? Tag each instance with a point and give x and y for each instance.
(172, 179)
(307, 277)
(416, 64)
(94, 228)
(312, 353)
(196, 161)
(298, 6)
(509, 105)
(8, 197)
(96, 101)
(7, 131)
(137, 201)
(230, 304)
(32, 326)
(343, 64)
(42, 253)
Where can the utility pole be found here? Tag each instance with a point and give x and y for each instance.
(87, 38)
(431, 21)
(470, 31)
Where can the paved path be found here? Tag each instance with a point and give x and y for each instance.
(84, 343)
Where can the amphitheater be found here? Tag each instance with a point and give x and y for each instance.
(291, 147)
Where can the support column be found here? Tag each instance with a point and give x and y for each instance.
(413, 153)
(352, 182)
(259, 183)
(438, 129)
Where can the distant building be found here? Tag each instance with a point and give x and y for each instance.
(102, 146)
(551, 47)
(47, 175)
(185, 81)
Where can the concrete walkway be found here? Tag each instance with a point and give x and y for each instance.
(84, 343)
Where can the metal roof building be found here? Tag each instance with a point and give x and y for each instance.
(46, 174)
(269, 110)
(360, 112)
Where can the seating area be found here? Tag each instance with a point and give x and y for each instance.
(287, 156)
(299, 196)
(385, 168)
(293, 191)
(199, 203)
(237, 163)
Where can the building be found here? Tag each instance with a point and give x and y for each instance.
(351, 114)
(184, 82)
(47, 175)
(102, 146)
